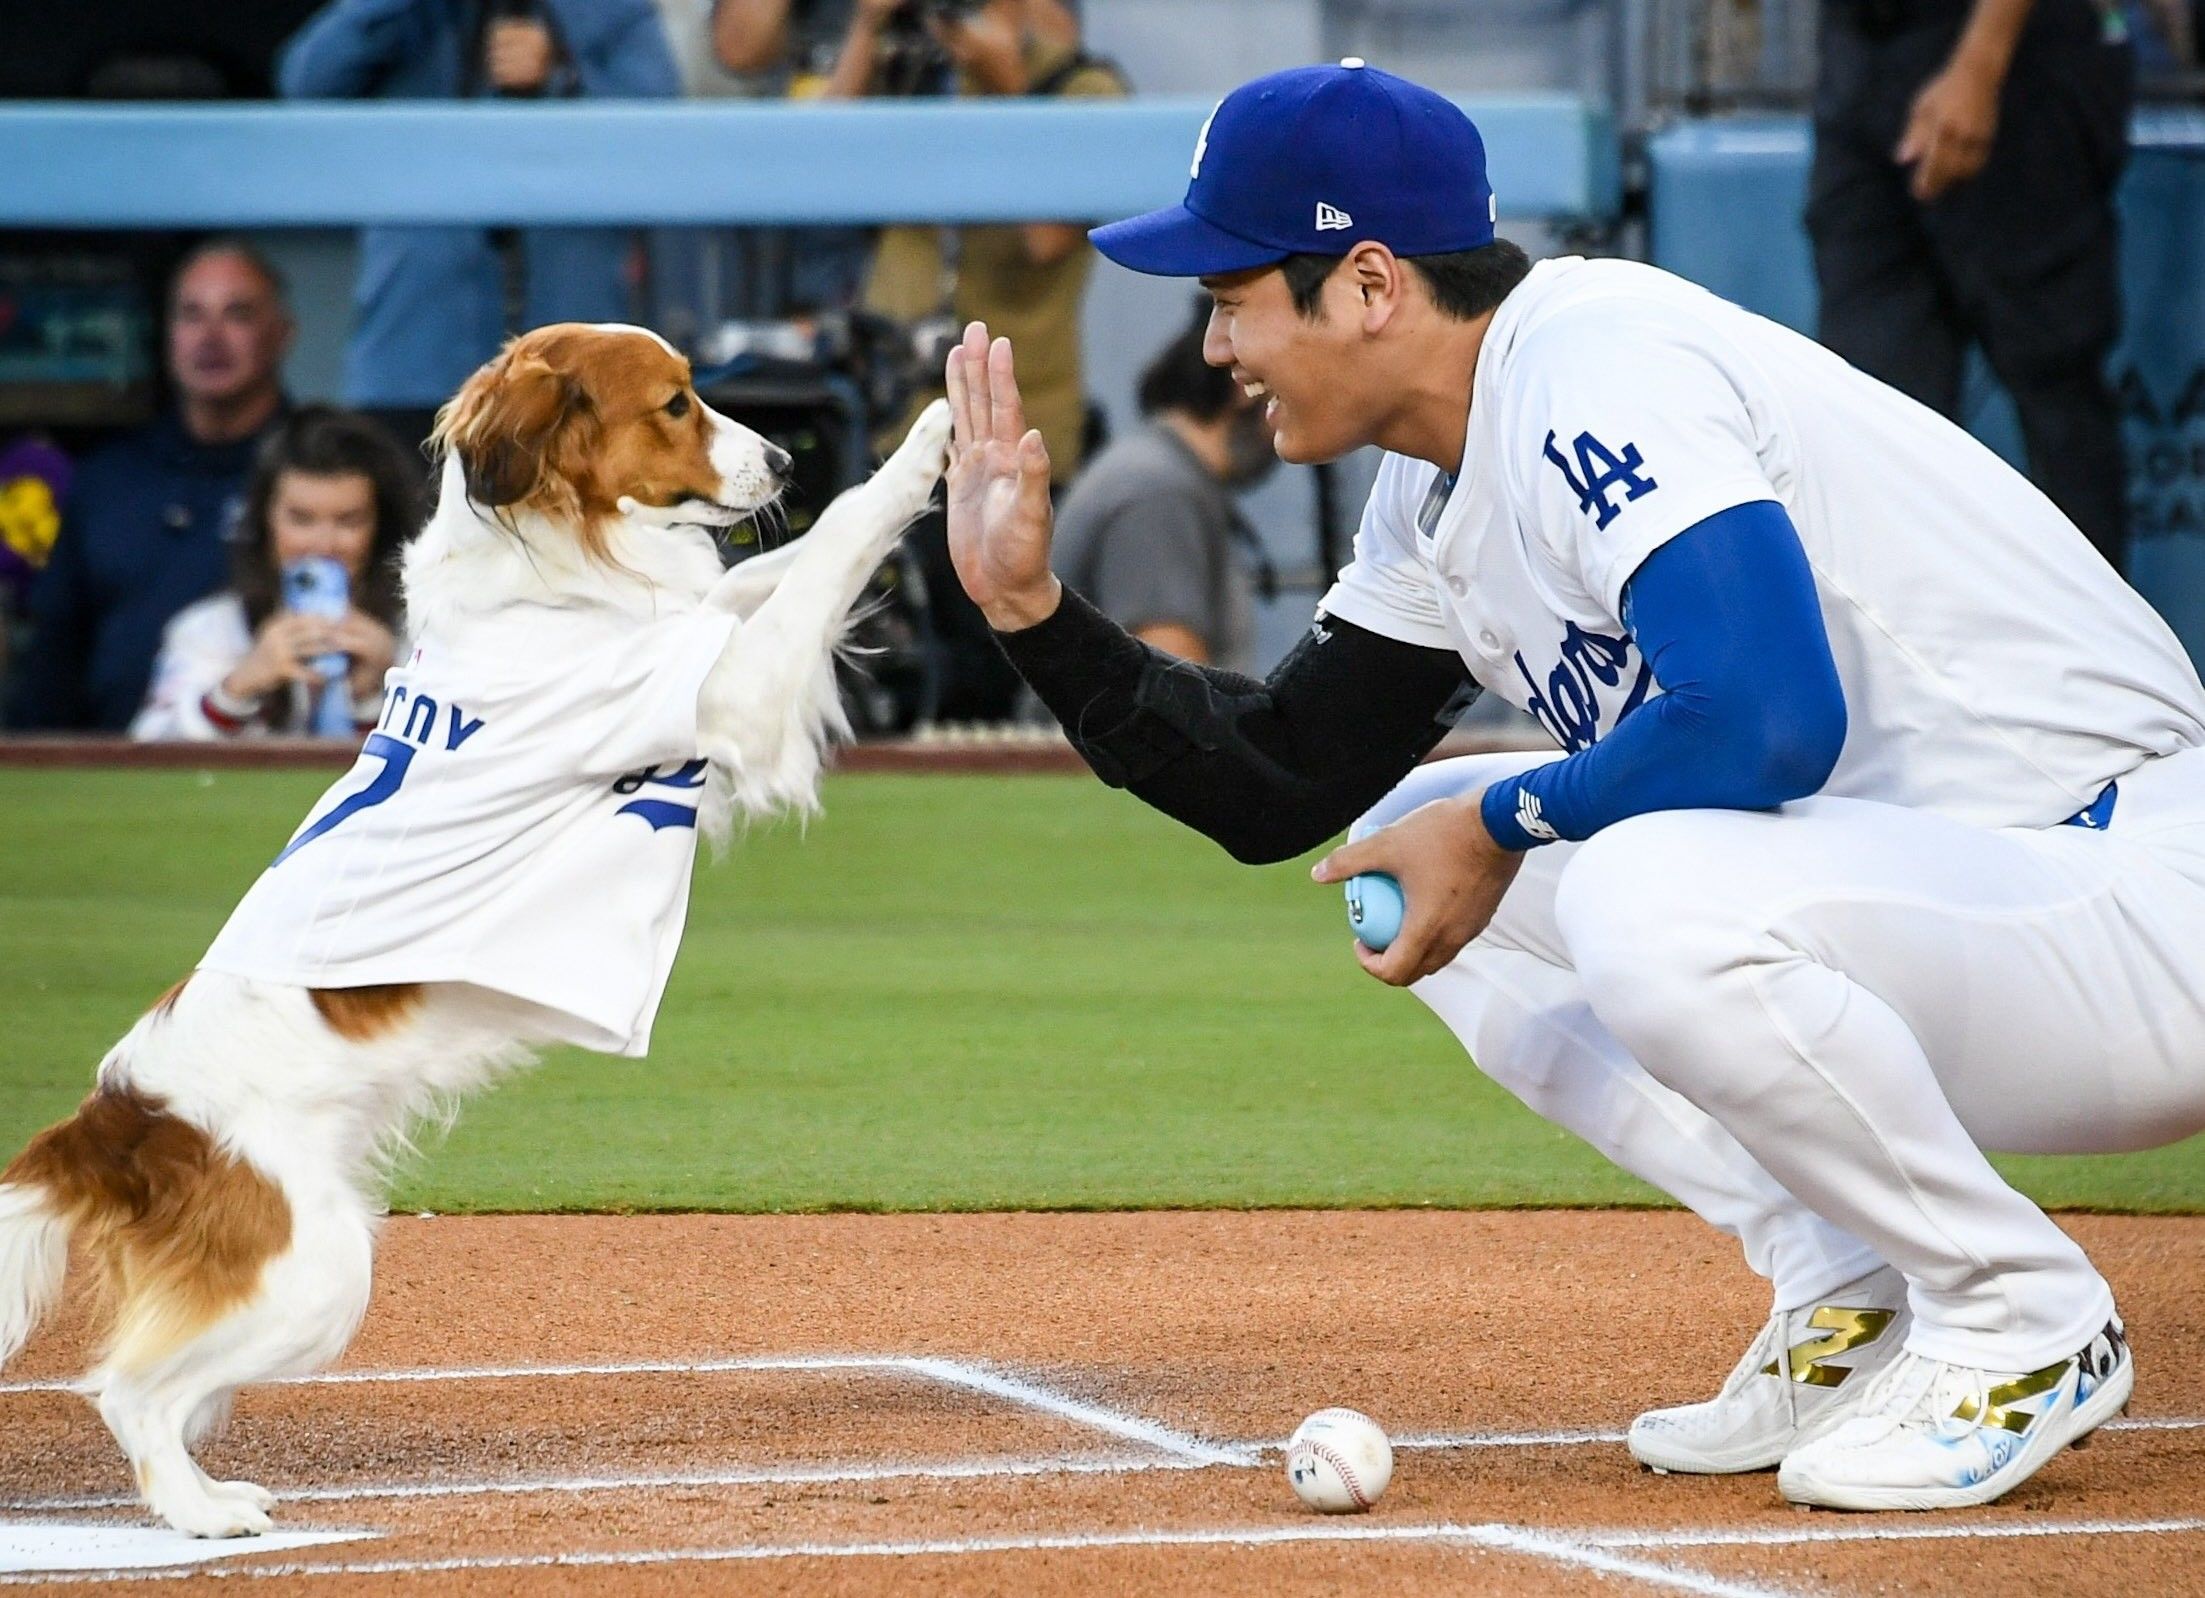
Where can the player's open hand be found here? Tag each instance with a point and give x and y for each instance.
(999, 516)
(1950, 129)
(1452, 877)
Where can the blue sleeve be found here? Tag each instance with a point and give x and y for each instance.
(1751, 712)
(346, 48)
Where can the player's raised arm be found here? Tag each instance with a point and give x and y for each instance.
(1267, 769)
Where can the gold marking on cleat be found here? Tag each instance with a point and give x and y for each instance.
(2014, 1392)
(1848, 1328)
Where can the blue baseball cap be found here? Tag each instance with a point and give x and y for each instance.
(1312, 161)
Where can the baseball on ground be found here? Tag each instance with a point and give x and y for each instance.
(1338, 1461)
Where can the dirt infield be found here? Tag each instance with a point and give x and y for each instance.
(1089, 1404)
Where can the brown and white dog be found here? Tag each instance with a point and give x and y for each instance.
(224, 1178)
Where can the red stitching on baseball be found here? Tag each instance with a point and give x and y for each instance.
(1347, 1476)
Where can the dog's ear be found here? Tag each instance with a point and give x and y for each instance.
(503, 423)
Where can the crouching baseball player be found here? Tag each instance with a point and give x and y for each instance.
(1878, 838)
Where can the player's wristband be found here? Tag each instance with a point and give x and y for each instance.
(1511, 813)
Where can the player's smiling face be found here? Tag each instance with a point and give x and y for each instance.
(1305, 368)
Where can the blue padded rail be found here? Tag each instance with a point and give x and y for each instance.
(67, 164)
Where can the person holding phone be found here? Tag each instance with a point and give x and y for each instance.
(328, 487)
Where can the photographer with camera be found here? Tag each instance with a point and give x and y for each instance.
(431, 303)
(1024, 279)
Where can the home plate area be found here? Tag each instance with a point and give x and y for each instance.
(1066, 1403)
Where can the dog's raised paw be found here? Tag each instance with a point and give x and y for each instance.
(926, 446)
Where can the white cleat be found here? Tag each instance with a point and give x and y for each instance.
(1800, 1378)
(1928, 1435)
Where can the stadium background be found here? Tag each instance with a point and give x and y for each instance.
(985, 991)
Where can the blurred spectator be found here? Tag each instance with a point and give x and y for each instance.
(1962, 192)
(802, 37)
(798, 269)
(702, 277)
(143, 529)
(2166, 36)
(1151, 533)
(1025, 280)
(326, 484)
(431, 302)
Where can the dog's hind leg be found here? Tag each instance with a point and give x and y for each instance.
(306, 1306)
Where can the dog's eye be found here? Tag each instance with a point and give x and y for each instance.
(678, 406)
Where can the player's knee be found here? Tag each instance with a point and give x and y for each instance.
(1650, 934)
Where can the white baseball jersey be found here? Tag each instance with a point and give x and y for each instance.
(1995, 668)
(524, 817)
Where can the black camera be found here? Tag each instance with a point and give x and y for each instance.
(910, 60)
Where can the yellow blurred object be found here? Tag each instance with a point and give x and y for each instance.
(30, 521)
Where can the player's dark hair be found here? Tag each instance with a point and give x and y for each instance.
(1177, 378)
(1465, 284)
(322, 441)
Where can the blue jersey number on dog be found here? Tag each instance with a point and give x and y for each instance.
(1374, 909)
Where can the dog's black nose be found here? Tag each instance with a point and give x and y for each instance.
(779, 462)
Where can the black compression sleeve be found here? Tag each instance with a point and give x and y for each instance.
(1267, 769)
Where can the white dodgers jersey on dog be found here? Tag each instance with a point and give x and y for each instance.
(1995, 668)
(523, 817)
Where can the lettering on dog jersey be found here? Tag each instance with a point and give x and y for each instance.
(661, 813)
(409, 724)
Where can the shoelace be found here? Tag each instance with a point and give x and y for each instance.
(1896, 1389)
(1913, 1387)
(1771, 1346)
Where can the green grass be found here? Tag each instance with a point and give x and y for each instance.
(951, 993)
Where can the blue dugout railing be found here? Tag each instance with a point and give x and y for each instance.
(67, 164)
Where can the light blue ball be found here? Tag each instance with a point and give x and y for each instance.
(1375, 908)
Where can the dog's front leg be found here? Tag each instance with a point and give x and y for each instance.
(768, 698)
(823, 572)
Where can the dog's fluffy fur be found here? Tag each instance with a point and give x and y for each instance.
(224, 1177)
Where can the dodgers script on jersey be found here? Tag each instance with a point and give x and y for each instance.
(523, 817)
(1995, 668)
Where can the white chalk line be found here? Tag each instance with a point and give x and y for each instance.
(959, 1372)
(497, 1373)
(1781, 1537)
(1239, 1455)
(783, 1476)
(965, 1374)
(1032, 1395)
(1593, 1550)
(1495, 1538)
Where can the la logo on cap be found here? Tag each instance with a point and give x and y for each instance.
(1331, 218)
(1202, 141)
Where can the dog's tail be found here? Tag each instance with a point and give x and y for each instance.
(34, 1252)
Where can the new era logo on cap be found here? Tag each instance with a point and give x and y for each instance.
(1313, 160)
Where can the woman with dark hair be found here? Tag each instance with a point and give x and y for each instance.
(327, 484)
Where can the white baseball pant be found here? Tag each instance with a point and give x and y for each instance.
(1807, 1025)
